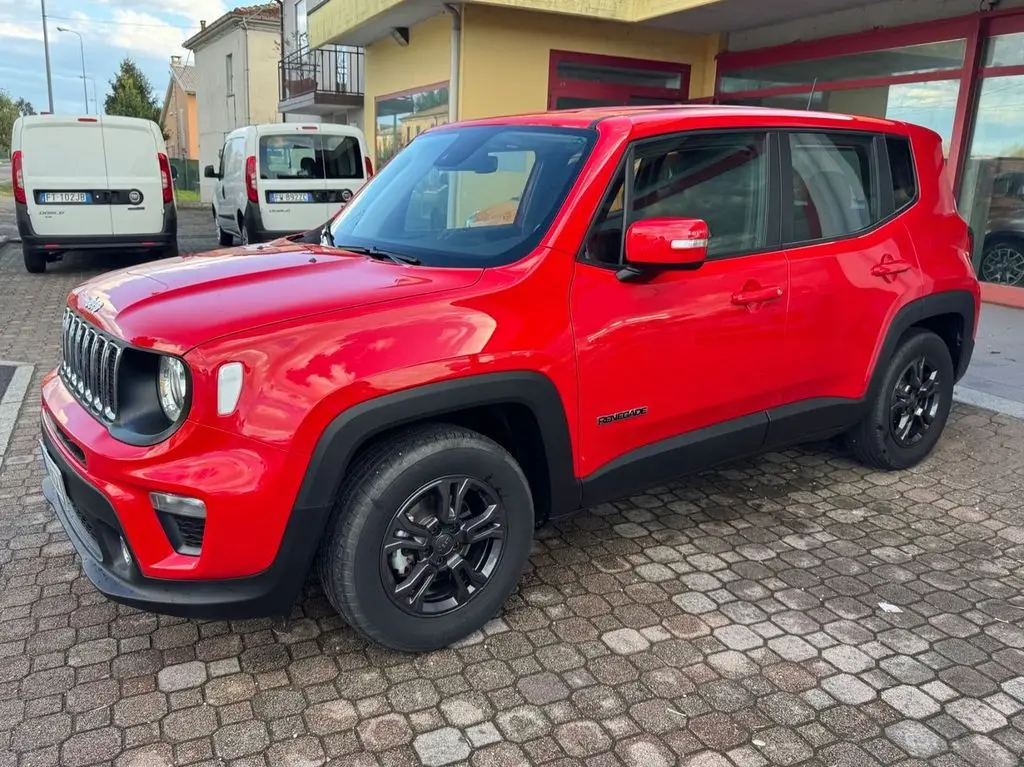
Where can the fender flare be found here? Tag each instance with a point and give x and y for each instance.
(351, 429)
(959, 302)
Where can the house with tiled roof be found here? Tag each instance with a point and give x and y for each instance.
(179, 116)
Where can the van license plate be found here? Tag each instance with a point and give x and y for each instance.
(65, 198)
(291, 197)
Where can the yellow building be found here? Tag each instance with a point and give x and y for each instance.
(511, 57)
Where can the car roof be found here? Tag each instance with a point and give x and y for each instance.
(653, 119)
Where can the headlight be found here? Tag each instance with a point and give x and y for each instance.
(172, 384)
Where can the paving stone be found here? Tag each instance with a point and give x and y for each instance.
(975, 715)
(911, 702)
(444, 746)
(916, 739)
(181, 676)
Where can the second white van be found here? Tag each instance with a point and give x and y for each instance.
(278, 179)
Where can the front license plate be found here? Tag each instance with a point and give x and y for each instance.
(291, 197)
(65, 198)
(54, 473)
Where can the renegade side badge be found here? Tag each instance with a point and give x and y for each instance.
(636, 412)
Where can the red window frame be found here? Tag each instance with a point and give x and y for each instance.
(560, 87)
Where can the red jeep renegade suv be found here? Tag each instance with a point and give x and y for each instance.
(517, 318)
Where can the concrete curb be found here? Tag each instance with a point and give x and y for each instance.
(189, 205)
(988, 401)
(12, 401)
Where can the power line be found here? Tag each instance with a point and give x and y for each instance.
(112, 22)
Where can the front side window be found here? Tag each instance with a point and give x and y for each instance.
(833, 186)
(721, 179)
(303, 156)
(471, 197)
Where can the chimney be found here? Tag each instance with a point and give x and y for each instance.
(202, 25)
(176, 60)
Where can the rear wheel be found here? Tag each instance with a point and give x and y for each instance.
(35, 260)
(910, 408)
(430, 535)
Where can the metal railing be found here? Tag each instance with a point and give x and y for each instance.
(332, 70)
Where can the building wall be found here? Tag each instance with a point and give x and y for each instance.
(885, 13)
(219, 112)
(391, 68)
(493, 85)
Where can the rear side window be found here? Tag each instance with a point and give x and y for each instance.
(304, 156)
(901, 167)
(833, 186)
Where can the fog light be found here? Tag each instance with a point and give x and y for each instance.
(126, 554)
(178, 504)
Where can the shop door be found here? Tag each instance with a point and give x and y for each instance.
(580, 80)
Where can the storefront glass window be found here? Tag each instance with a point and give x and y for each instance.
(402, 118)
(908, 60)
(931, 104)
(618, 75)
(1005, 51)
(992, 190)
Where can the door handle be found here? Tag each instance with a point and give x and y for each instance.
(889, 266)
(756, 296)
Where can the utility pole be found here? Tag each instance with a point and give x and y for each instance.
(46, 52)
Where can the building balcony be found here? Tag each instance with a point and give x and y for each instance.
(321, 81)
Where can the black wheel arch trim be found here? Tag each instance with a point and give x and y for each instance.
(354, 427)
(957, 302)
(999, 235)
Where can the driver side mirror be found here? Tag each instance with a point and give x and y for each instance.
(667, 243)
(210, 172)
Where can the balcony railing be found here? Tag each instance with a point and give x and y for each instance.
(333, 70)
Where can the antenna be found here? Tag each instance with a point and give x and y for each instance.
(810, 96)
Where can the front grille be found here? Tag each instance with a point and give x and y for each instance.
(89, 366)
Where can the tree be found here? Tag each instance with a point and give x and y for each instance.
(131, 94)
(10, 110)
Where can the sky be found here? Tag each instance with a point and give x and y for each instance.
(150, 31)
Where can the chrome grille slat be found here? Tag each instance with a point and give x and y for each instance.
(89, 366)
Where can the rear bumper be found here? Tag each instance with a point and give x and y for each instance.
(259, 233)
(166, 237)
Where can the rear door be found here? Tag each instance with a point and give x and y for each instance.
(344, 165)
(291, 187)
(133, 176)
(63, 160)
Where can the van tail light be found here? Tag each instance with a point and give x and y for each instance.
(250, 178)
(369, 168)
(165, 178)
(18, 177)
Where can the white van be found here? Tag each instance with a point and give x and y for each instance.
(91, 183)
(278, 179)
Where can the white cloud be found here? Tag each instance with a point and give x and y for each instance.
(20, 31)
(134, 33)
(190, 10)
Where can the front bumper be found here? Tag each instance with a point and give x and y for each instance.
(128, 556)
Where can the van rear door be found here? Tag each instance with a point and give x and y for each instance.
(133, 166)
(63, 161)
(290, 183)
(344, 164)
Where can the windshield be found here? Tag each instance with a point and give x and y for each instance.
(475, 196)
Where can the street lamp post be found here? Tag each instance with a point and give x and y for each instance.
(85, 85)
(46, 54)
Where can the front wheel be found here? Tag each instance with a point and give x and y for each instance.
(909, 409)
(429, 537)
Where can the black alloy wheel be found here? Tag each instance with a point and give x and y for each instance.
(443, 545)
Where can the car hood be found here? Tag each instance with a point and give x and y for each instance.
(176, 304)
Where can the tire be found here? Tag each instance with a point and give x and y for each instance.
(224, 238)
(247, 236)
(1002, 261)
(171, 251)
(35, 261)
(875, 441)
(360, 580)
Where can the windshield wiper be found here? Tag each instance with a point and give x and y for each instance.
(378, 254)
(327, 236)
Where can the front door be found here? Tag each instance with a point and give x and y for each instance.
(680, 369)
(580, 81)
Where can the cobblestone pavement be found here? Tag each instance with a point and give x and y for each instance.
(731, 620)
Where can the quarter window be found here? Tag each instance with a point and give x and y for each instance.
(901, 166)
(833, 186)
